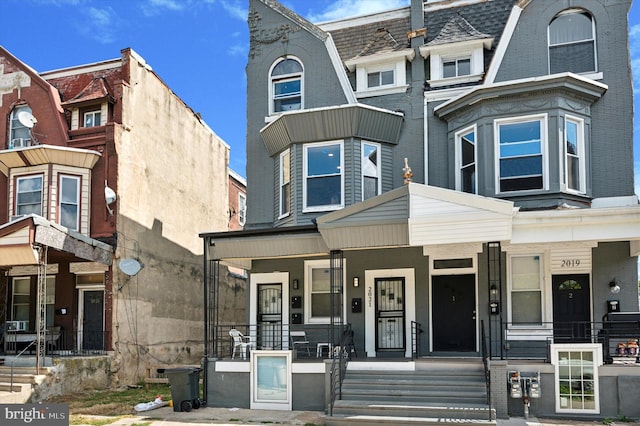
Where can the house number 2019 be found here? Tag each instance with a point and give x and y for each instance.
(570, 263)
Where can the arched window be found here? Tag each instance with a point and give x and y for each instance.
(20, 134)
(572, 45)
(286, 85)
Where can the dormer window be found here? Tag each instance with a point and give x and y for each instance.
(286, 85)
(92, 118)
(380, 66)
(456, 62)
(380, 74)
(380, 78)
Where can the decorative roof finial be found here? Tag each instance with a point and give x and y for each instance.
(407, 173)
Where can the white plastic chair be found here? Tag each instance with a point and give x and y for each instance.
(239, 341)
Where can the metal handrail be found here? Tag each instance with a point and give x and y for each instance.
(487, 368)
(338, 369)
(15, 359)
(416, 331)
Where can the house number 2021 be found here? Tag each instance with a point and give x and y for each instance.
(570, 263)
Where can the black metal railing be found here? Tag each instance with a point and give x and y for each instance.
(59, 342)
(339, 368)
(533, 340)
(318, 342)
(487, 367)
(416, 332)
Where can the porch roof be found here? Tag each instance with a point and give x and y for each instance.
(47, 154)
(17, 240)
(421, 215)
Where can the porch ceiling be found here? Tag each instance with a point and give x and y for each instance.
(17, 240)
(240, 247)
(47, 154)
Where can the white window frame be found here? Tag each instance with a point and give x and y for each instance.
(596, 355)
(76, 227)
(438, 55)
(327, 207)
(593, 39)
(395, 62)
(363, 170)
(25, 177)
(95, 114)
(284, 181)
(456, 60)
(544, 142)
(14, 293)
(15, 125)
(273, 80)
(459, 157)
(543, 273)
(581, 154)
(309, 266)
(242, 209)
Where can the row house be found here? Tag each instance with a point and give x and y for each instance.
(439, 186)
(107, 177)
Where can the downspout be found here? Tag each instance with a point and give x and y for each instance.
(205, 361)
(417, 36)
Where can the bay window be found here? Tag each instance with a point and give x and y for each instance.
(323, 176)
(466, 176)
(521, 146)
(69, 197)
(574, 154)
(29, 195)
(285, 183)
(371, 170)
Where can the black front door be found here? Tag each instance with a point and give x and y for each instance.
(454, 313)
(571, 314)
(93, 320)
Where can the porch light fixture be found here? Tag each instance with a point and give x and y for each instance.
(494, 290)
(614, 286)
(356, 281)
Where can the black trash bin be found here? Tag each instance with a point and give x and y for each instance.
(185, 388)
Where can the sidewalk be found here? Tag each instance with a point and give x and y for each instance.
(165, 416)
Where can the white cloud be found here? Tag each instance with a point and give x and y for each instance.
(235, 8)
(341, 9)
(99, 24)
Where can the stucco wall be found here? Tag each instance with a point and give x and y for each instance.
(172, 185)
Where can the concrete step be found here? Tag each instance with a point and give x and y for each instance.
(359, 420)
(18, 378)
(7, 387)
(412, 409)
(422, 393)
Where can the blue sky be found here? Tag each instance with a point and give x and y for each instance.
(197, 47)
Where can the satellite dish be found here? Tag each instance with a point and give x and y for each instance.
(130, 266)
(109, 195)
(27, 119)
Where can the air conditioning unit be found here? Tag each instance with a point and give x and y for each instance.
(17, 325)
(20, 143)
